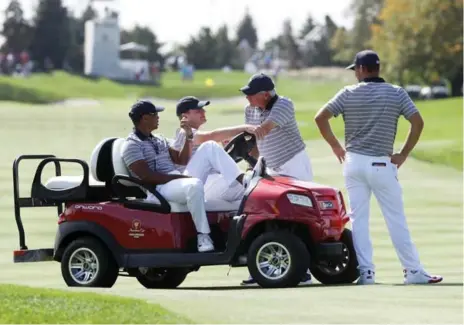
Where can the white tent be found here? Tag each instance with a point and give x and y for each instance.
(135, 47)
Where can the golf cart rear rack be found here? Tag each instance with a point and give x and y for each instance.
(41, 196)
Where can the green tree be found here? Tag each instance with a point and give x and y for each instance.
(365, 14)
(289, 45)
(246, 30)
(16, 30)
(421, 39)
(307, 27)
(341, 46)
(201, 51)
(75, 56)
(51, 36)
(226, 51)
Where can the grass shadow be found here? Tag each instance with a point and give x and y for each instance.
(315, 285)
(255, 287)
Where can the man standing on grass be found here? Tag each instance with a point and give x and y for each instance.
(278, 139)
(370, 111)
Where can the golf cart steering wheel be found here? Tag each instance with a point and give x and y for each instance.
(240, 146)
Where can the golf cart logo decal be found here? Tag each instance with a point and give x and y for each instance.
(136, 230)
(88, 207)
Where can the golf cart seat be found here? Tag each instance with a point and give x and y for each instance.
(60, 183)
(121, 169)
(100, 160)
(98, 184)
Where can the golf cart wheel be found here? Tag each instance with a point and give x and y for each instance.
(345, 271)
(87, 262)
(278, 259)
(157, 278)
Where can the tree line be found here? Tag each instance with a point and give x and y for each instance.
(419, 41)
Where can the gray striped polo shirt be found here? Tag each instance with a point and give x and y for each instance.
(154, 149)
(284, 141)
(371, 110)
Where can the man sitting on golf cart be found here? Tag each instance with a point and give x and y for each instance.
(192, 110)
(150, 158)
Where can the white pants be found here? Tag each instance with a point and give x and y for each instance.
(299, 167)
(208, 158)
(217, 187)
(364, 175)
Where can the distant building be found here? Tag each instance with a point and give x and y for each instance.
(101, 47)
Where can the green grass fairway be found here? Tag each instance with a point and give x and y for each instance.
(43, 88)
(23, 305)
(47, 88)
(433, 199)
(440, 142)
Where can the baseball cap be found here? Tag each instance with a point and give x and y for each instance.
(366, 58)
(257, 83)
(143, 107)
(190, 102)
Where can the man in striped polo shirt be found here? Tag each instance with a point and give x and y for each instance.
(193, 111)
(279, 140)
(370, 110)
(150, 158)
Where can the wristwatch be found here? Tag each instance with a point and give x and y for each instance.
(190, 137)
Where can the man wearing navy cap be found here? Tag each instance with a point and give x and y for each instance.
(191, 110)
(370, 110)
(150, 158)
(279, 140)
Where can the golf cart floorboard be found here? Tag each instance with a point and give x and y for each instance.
(176, 259)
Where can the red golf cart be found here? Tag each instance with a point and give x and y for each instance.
(106, 229)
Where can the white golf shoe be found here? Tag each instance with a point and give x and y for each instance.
(420, 277)
(205, 243)
(366, 277)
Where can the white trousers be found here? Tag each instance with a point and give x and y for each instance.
(217, 187)
(208, 158)
(365, 175)
(299, 167)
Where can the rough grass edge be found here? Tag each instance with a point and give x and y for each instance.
(149, 313)
(28, 95)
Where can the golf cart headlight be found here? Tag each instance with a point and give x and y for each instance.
(300, 200)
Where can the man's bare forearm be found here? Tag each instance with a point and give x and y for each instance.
(185, 153)
(414, 134)
(218, 135)
(327, 133)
